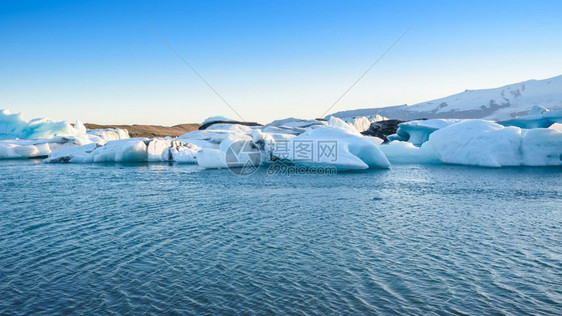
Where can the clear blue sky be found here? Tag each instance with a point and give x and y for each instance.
(99, 61)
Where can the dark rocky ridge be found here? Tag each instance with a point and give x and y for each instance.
(206, 125)
(382, 129)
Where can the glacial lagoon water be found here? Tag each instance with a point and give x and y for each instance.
(175, 239)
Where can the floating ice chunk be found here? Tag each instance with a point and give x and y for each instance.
(478, 143)
(210, 158)
(77, 154)
(341, 124)
(129, 150)
(216, 136)
(350, 150)
(107, 134)
(542, 146)
(11, 150)
(35, 148)
(38, 137)
(484, 143)
(185, 154)
(266, 142)
(14, 126)
(211, 138)
(159, 149)
(336, 147)
(399, 152)
(538, 117)
(215, 158)
(125, 150)
(362, 123)
(417, 132)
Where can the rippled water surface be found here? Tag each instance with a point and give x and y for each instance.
(132, 239)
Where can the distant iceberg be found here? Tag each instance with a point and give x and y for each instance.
(483, 143)
(128, 150)
(538, 117)
(351, 150)
(532, 140)
(20, 138)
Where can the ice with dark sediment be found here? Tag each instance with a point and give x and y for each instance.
(531, 140)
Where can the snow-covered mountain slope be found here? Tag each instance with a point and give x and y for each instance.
(495, 104)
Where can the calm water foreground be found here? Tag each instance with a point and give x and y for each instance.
(131, 239)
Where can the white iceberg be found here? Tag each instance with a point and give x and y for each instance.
(20, 138)
(107, 134)
(488, 144)
(125, 150)
(128, 150)
(349, 149)
(479, 143)
(362, 123)
(159, 149)
(215, 158)
(338, 145)
(542, 146)
(14, 126)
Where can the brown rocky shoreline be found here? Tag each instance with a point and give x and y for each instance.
(149, 131)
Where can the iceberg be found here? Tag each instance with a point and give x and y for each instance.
(311, 143)
(362, 123)
(488, 144)
(479, 143)
(171, 150)
(538, 117)
(337, 145)
(36, 148)
(23, 149)
(107, 134)
(125, 150)
(542, 146)
(215, 157)
(417, 132)
(14, 126)
(20, 138)
(128, 150)
(350, 150)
